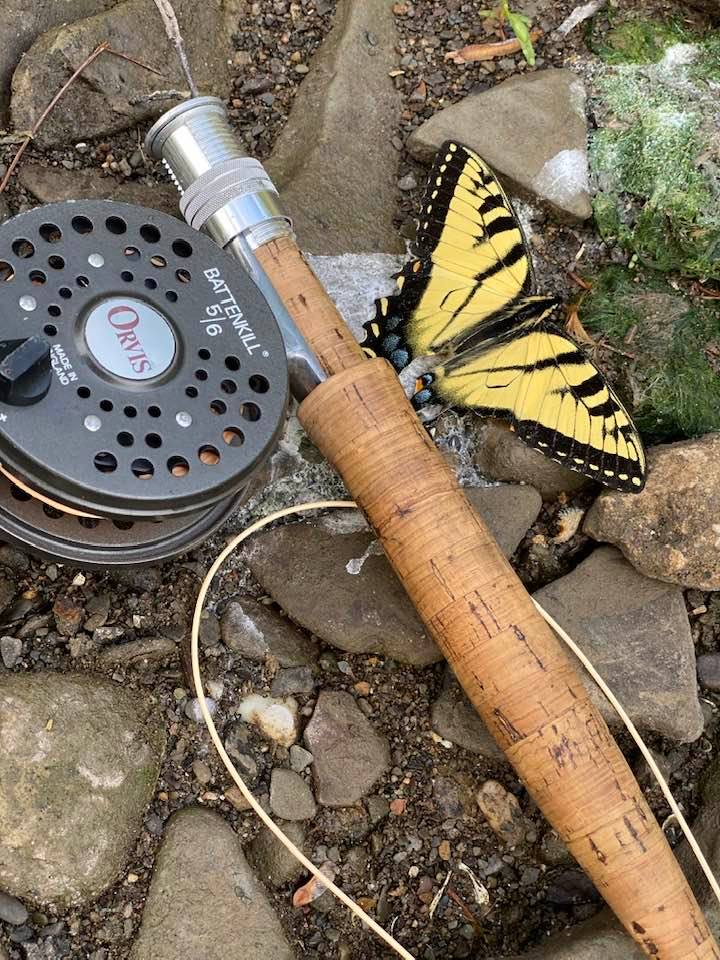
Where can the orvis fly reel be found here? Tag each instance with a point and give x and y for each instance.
(143, 381)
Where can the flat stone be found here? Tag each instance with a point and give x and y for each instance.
(616, 615)
(338, 185)
(671, 530)
(52, 185)
(532, 131)
(367, 609)
(708, 667)
(454, 718)
(348, 754)
(78, 767)
(304, 568)
(204, 899)
(23, 23)
(292, 680)
(300, 758)
(99, 103)
(509, 511)
(273, 862)
(10, 651)
(290, 796)
(142, 654)
(12, 911)
(500, 454)
(258, 632)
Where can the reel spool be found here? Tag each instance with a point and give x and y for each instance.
(143, 382)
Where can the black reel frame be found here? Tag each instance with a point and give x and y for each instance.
(143, 383)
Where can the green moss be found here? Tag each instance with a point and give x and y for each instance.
(638, 41)
(655, 160)
(674, 378)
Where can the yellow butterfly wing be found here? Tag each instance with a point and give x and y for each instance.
(556, 399)
(472, 258)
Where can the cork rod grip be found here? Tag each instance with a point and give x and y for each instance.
(507, 659)
(505, 656)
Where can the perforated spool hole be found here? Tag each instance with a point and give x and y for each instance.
(106, 405)
(154, 411)
(105, 462)
(54, 310)
(50, 330)
(171, 296)
(157, 261)
(65, 293)
(116, 225)
(132, 253)
(56, 262)
(82, 281)
(83, 392)
(82, 225)
(191, 392)
(258, 383)
(233, 436)
(21, 496)
(123, 524)
(125, 438)
(183, 276)
(228, 386)
(23, 248)
(37, 277)
(127, 276)
(209, 455)
(52, 512)
(178, 466)
(201, 374)
(181, 248)
(204, 354)
(218, 407)
(149, 233)
(232, 363)
(151, 283)
(153, 440)
(130, 411)
(50, 232)
(7, 272)
(142, 468)
(89, 523)
(250, 411)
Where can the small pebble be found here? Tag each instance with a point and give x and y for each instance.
(202, 771)
(10, 651)
(192, 709)
(300, 758)
(11, 910)
(408, 182)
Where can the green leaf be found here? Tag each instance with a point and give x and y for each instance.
(520, 25)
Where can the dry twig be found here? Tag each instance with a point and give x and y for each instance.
(28, 137)
(172, 30)
(488, 51)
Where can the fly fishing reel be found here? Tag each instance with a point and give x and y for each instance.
(143, 382)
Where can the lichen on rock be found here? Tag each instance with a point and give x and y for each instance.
(654, 157)
(671, 368)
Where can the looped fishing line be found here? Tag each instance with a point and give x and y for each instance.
(272, 826)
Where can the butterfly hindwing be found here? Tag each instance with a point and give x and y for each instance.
(466, 301)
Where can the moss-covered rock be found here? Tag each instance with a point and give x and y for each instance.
(655, 157)
(670, 369)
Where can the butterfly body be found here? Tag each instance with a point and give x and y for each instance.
(466, 305)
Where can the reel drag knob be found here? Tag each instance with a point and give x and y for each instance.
(25, 371)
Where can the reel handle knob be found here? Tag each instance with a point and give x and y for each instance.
(25, 371)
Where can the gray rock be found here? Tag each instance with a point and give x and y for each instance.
(300, 758)
(273, 862)
(531, 130)
(10, 650)
(290, 796)
(502, 812)
(143, 654)
(100, 103)
(501, 455)
(51, 185)
(78, 767)
(257, 632)
(233, 917)
(340, 187)
(12, 911)
(509, 511)
(303, 566)
(670, 530)
(454, 718)
(348, 754)
(23, 23)
(4, 209)
(616, 615)
(367, 610)
(292, 680)
(708, 667)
